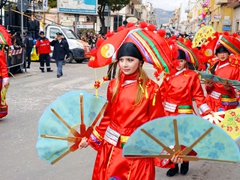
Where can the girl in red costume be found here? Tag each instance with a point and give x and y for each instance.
(178, 90)
(223, 96)
(128, 108)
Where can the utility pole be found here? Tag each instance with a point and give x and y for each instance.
(109, 19)
(22, 17)
(118, 20)
(76, 23)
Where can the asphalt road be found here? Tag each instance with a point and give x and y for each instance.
(28, 96)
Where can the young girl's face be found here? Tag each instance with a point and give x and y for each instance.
(182, 64)
(223, 56)
(128, 64)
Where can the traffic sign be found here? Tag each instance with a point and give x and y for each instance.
(24, 5)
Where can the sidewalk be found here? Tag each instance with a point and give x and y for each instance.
(34, 70)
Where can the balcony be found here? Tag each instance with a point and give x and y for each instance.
(36, 6)
(233, 3)
(187, 10)
(220, 2)
(133, 11)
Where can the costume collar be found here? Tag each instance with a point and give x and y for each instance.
(177, 73)
(127, 79)
(181, 71)
(222, 64)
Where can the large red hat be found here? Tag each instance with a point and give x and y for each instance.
(153, 47)
(231, 42)
(192, 54)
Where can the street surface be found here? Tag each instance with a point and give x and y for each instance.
(28, 96)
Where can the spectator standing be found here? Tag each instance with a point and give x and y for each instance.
(40, 4)
(61, 49)
(19, 41)
(18, 46)
(28, 42)
(43, 47)
(33, 27)
(79, 35)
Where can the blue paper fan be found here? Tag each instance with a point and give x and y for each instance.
(217, 79)
(64, 122)
(208, 140)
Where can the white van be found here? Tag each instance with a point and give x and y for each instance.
(76, 48)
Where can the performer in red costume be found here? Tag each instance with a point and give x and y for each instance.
(5, 42)
(223, 96)
(128, 108)
(178, 90)
(4, 82)
(223, 53)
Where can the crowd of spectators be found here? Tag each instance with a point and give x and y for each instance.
(90, 38)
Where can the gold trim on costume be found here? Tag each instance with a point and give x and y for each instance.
(185, 111)
(124, 139)
(229, 99)
(109, 159)
(97, 135)
(129, 174)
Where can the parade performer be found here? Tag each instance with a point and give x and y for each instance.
(178, 90)
(134, 99)
(219, 96)
(5, 42)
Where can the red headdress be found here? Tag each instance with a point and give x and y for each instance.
(231, 42)
(193, 55)
(154, 48)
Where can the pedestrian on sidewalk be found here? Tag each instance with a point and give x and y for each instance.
(43, 48)
(60, 51)
(28, 43)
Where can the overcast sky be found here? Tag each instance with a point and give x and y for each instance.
(168, 5)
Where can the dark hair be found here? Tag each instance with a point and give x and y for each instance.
(213, 68)
(18, 33)
(181, 54)
(221, 49)
(129, 49)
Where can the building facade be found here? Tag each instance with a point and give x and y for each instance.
(223, 15)
(235, 4)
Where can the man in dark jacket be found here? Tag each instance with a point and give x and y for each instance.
(33, 27)
(61, 49)
(28, 42)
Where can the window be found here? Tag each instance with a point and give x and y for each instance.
(52, 33)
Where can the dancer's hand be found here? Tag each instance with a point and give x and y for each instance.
(227, 87)
(83, 143)
(176, 159)
(209, 83)
(5, 83)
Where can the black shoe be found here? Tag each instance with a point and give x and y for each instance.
(58, 76)
(42, 70)
(28, 67)
(61, 74)
(184, 168)
(49, 70)
(171, 172)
